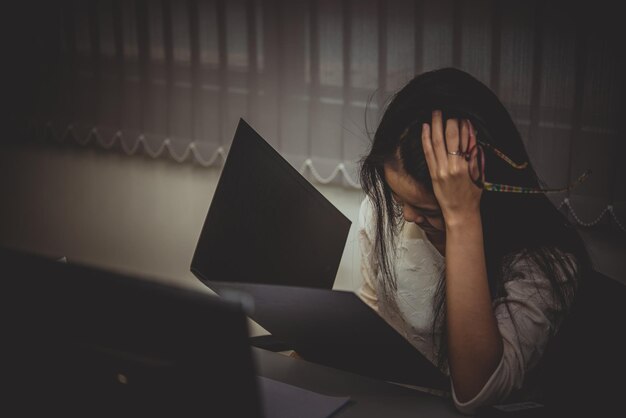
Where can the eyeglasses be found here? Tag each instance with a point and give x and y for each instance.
(476, 158)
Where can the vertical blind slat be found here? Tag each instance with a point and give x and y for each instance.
(382, 55)
(457, 32)
(280, 76)
(418, 28)
(96, 73)
(222, 110)
(535, 94)
(196, 83)
(69, 92)
(118, 36)
(168, 50)
(252, 74)
(347, 67)
(143, 47)
(314, 87)
(496, 27)
(579, 89)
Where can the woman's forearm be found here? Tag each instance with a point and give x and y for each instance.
(474, 342)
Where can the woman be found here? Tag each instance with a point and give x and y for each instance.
(462, 251)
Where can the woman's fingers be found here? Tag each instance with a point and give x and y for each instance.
(429, 153)
(477, 165)
(472, 135)
(464, 139)
(437, 138)
(458, 137)
(452, 184)
(452, 135)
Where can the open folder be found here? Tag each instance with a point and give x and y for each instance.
(289, 288)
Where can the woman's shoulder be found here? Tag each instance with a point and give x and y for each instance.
(366, 219)
(549, 272)
(366, 210)
(535, 260)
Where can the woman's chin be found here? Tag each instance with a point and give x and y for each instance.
(435, 236)
(433, 232)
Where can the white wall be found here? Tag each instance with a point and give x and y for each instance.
(131, 214)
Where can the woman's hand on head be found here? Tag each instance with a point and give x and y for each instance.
(456, 193)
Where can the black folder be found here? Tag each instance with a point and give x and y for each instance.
(267, 223)
(273, 240)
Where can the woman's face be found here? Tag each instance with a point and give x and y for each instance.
(418, 204)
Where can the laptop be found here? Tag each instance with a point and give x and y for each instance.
(267, 224)
(273, 240)
(80, 341)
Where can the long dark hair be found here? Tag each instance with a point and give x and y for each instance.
(513, 224)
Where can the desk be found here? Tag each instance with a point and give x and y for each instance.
(372, 398)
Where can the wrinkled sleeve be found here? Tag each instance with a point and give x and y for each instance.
(526, 325)
(369, 270)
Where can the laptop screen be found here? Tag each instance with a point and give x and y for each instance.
(83, 341)
(267, 224)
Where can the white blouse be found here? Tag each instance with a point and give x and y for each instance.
(418, 267)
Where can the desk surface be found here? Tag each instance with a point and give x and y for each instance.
(372, 398)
